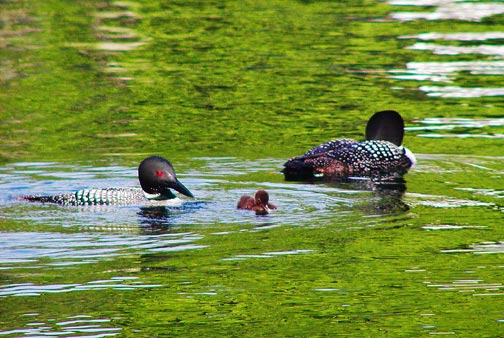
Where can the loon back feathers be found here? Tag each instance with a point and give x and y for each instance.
(107, 196)
(369, 158)
(380, 155)
(365, 159)
(330, 146)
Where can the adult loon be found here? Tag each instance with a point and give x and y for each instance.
(379, 156)
(156, 176)
(259, 203)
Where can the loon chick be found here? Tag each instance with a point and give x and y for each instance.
(259, 203)
(156, 176)
(380, 155)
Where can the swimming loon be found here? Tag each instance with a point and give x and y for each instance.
(380, 155)
(156, 176)
(259, 203)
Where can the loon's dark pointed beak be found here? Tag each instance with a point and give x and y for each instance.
(177, 185)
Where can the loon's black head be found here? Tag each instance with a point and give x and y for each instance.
(386, 125)
(156, 176)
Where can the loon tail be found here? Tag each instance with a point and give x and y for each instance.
(297, 168)
(40, 198)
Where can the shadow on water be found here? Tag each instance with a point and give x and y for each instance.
(386, 192)
(387, 198)
(159, 219)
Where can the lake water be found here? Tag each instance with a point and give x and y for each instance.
(229, 90)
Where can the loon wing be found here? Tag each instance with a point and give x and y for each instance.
(328, 147)
(303, 165)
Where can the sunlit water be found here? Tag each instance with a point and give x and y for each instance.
(77, 325)
(104, 233)
(480, 45)
(231, 92)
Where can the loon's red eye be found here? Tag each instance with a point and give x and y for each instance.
(159, 173)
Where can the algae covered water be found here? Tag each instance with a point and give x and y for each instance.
(228, 91)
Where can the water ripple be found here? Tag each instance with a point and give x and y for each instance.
(444, 201)
(476, 287)
(115, 37)
(480, 248)
(452, 227)
(447, 10)
(485, 192)
(26, 249)
(269, 254)
(79, 325)
(461, 92)
(446, 71)
(30, 289)
(457, 122)
(463, 36)
(457, 50)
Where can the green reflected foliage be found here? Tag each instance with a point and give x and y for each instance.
(215, 77)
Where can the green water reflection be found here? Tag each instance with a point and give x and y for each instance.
(227, 90)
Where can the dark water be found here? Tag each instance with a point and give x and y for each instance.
(228, 91)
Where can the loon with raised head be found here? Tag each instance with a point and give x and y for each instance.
(259, 203)
(380, 155)
(156, 176)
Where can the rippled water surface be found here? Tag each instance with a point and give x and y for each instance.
(228, 91)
